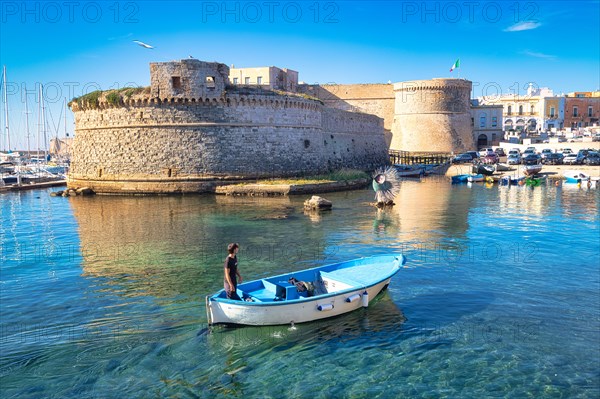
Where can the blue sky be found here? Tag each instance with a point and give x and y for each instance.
(76, 47)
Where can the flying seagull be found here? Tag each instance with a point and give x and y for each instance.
(142, 44)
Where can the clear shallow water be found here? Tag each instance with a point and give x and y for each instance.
(104, 296)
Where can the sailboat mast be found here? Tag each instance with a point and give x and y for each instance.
(6, 109)
(44, 122)
(65, 120)
(27, 126)
(39, 123)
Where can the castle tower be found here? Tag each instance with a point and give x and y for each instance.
(432, 115)
(188, 78)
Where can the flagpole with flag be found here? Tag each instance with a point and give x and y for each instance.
(456, 66)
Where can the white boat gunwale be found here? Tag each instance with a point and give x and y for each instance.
(297, 300)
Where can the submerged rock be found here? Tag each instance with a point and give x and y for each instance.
(85, 191)
(317, 203)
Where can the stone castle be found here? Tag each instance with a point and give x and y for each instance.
(193, 128)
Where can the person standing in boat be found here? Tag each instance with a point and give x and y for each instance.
(231, 272)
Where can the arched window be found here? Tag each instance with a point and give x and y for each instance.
(520, 110)
(509, 110)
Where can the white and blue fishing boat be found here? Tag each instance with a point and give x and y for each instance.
(305, 295)
(475, 178)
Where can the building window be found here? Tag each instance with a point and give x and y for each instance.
(235, 81)
(520, 110)
(509, 112)
(590, 112)
(210, 82)
(532, 110)
(247, 81)
(259, 80)
(482, 121)
(494, 121)
(176, 82)
(575, 111)
(552, 111)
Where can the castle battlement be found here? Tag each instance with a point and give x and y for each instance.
(226, 100)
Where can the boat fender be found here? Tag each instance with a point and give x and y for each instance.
(353, 298)
(325, 307)
(365, 299)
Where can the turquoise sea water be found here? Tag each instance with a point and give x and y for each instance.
(103, 297)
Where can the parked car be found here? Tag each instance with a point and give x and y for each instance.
(486, 151)
(514, 152)
(500, 151)
(584, 152)
(491, 158)
(596, 137)
(545, 152)
(566, 151)
(513, 159)
(530, 158)
(529, 151)
(573, 159)
(593, 158)
(462, 158)
(515, 149)
(554, 158)
(474, 154)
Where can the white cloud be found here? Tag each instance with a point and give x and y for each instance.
(525, 25)
(539, 55)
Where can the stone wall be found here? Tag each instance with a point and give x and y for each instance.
(375, 99)
(181, 145)
(432, 115)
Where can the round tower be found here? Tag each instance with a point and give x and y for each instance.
(432, 116)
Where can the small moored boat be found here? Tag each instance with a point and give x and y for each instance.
(483, 169)
(459, 179)
(532, 167)
(475, 178)
(305, 295)
(502, 167)
(576, 176)
(511, 181)
(409, 171)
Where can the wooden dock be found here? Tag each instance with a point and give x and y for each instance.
(33, 186)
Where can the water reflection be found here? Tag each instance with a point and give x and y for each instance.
(431, 209)
(567, 200)
(167, 246)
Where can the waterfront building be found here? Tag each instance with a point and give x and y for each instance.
(582, 109)
(531, 115)
(270, 77)
(487, 123)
